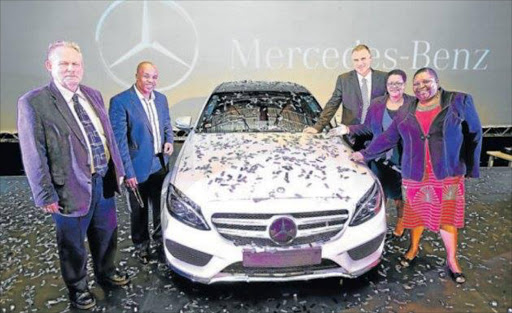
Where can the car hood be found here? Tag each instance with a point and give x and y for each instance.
(262, 166)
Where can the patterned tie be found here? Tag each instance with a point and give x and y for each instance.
(98, 151)
(366, 101)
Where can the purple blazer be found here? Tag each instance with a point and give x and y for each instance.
(373, 122)
(454, 139)
(54, 150)
(372, 126)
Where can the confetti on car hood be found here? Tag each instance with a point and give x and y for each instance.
(261, 166)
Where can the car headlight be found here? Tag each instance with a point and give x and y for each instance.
(368, 206)
(185, 210)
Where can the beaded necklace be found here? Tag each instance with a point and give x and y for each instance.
(435, 103)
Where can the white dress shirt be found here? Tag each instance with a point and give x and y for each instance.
(150, 109)
(68, 97)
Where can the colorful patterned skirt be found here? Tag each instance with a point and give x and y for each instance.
(432, 202)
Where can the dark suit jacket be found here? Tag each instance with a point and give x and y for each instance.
(133, 131)
(55, 153)
(348, 92)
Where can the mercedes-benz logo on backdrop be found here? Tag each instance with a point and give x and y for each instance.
(162, 32)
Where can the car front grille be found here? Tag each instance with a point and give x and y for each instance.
(252, 229)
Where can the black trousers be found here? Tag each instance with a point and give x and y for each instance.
(100, 227)
(150, 191)
(390, 179)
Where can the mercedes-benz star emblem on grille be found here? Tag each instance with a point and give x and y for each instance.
(164, 34)
(283, 230)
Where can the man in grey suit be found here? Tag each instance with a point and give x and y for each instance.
(73, 167)
(355, 89)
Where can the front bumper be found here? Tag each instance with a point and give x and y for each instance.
(207, 257)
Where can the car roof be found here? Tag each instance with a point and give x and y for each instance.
(249, 85)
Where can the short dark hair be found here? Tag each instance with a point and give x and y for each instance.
(397, 72)
(429, 70)
(142, 64)
(361, 47)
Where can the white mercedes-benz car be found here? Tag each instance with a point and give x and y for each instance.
(252, 198)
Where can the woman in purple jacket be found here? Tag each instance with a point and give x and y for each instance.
(442, 138)
(381, 112)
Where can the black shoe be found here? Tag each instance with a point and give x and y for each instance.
(83, 300)
(459, 278)
(142, 252)
(406, 262)
(142, 255)
(117, 278)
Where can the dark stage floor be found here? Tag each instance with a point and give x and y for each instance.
(30, 277)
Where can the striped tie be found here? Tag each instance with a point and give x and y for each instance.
(98, 151)
(366, 101)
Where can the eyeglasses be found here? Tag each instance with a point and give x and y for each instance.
(426, 82)
(395, 84)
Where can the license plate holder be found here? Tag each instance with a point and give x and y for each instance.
(282, 258)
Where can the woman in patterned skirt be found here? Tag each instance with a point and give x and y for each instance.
(442, 138)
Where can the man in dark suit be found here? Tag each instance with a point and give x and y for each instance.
(355, 89)
(142, 127)
(73, 167)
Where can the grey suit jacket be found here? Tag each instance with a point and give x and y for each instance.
(348, 92)
(54, 150)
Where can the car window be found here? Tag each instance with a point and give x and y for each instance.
(258, 112)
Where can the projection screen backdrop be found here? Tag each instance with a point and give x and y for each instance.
(197, 45)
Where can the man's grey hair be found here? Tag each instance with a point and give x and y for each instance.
(61, 43)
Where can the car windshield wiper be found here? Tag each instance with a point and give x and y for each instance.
(242, 117)
(279, 117)
(228, 120)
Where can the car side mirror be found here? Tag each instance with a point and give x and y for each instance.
(184, 122)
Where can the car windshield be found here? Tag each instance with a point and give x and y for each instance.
(258, 111)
